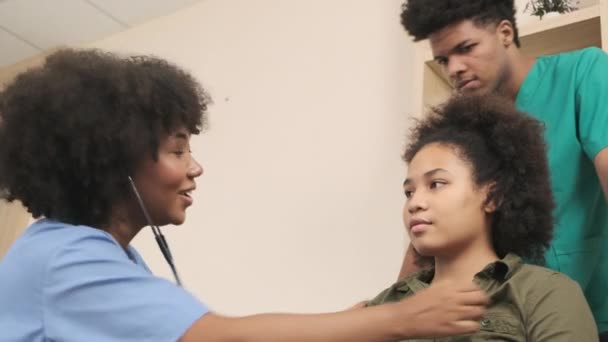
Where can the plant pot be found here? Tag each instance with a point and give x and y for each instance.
(551, 15)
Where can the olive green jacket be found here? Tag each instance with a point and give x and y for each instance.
(528, 303)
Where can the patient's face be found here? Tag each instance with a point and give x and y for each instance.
(444, 210)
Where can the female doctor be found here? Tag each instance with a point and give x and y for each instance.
(98, 146)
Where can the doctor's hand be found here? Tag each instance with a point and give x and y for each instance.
(444, 310)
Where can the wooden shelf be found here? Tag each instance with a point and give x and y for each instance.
(566, 32)
(548, 23)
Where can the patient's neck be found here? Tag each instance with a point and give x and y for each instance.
(461, 267)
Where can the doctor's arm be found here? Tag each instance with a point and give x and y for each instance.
(435, 312)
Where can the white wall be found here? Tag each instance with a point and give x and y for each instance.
(299, 208)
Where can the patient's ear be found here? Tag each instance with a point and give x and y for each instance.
(491, 203)
(489, 207)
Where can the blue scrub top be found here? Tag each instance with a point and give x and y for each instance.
(61, 282)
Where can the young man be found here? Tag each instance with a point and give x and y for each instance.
(477, 44)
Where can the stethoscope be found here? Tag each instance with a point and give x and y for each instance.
(158, 235)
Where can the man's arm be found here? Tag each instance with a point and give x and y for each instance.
(434, 312)
(592, 111)
(601, 167)
(409, 263)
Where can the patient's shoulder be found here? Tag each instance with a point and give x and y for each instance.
(405, 287)
(537, 282)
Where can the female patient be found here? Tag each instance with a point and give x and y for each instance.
(478, 200)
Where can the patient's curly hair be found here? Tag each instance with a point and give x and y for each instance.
(421, 18)
(72, 130)
(506, 150)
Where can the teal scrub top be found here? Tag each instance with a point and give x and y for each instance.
(569, 93)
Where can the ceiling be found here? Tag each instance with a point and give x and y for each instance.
(28, 27)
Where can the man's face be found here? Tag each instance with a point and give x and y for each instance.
(474, 57)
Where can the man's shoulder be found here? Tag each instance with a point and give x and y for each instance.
(581, 59)
(590, 52)
(579, 53)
